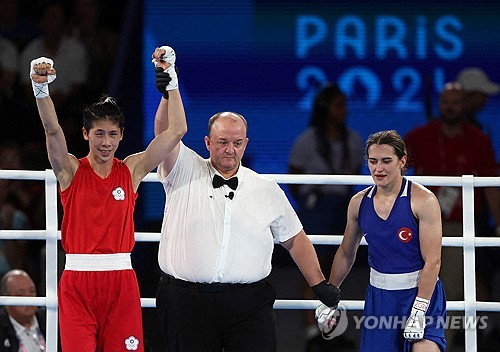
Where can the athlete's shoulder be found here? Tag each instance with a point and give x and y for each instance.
(359, 196)
(419, 191)
(422, 199)
(356, 199)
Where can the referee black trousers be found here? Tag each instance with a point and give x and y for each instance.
(216, 317)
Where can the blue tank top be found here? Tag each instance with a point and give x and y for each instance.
(393, 244)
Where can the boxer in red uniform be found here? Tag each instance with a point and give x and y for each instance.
(99, 301)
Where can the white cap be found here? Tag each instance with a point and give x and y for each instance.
(474, 79)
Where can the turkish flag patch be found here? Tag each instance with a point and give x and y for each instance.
(405, 235)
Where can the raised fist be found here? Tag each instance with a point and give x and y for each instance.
(166, 73)
(42, 72)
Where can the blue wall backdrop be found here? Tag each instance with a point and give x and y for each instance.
(266, 60)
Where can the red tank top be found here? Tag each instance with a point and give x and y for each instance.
(99, 213)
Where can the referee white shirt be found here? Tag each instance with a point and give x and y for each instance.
(208, 237)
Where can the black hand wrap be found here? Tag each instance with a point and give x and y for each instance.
(328, 294)
(162, 81)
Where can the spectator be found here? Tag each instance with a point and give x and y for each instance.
(450, 146)
(22, 328)
(15, 116)
(15, 25)
(10, 105)
(54, 43)
(89, 26)
(327, 146)
(478, 88)
(13, 199)
(72, 59)
(8, 69)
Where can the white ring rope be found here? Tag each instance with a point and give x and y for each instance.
(469, 241)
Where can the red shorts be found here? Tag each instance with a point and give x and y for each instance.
(100, 309)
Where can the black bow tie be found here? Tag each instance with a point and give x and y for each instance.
(219, 182)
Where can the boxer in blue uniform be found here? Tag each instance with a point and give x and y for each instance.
(405, 304)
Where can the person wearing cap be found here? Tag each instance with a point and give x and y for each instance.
(449, 146)
(478, 88)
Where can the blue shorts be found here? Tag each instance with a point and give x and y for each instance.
(385, 315)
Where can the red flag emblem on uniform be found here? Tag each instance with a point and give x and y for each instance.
(405, 235)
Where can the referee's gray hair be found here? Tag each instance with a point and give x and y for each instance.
(214, 118)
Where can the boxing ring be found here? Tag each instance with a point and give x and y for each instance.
(469, 242)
